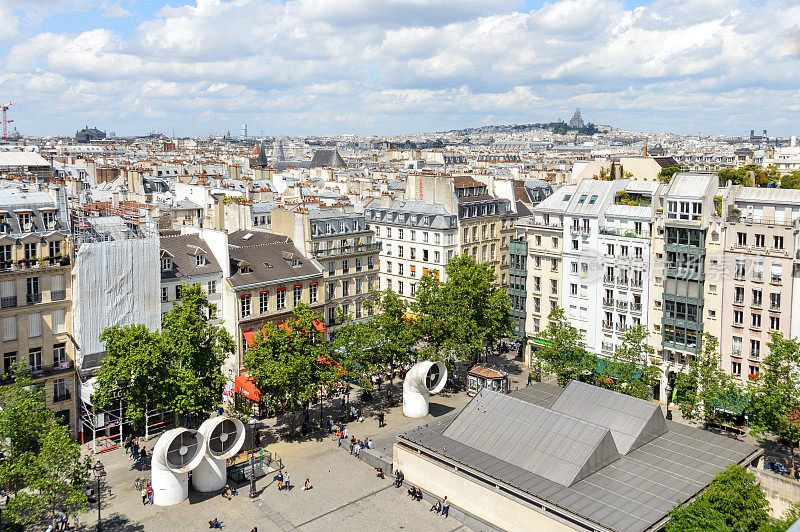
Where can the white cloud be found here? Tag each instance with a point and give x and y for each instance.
(404, 65)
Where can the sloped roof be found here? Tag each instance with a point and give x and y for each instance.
(22, 158)
(633, 422)
(688, 185)
(183, 249)
(327, 157)
(558, 447)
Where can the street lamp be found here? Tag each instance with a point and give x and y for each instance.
(252, 459)
(99, 473)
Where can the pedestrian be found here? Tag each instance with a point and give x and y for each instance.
(343, 403)
(446, 507)
(128, 441)
(345, 433)
(358, 449)
(369, 444)
(338, 438)
(220, 411)
(352, 412)
(360, 416)
(226, 492)
(149, 494)
(330, 424)
(307, 486)
(380, 419)
(280, 481)
(135, 449)
(143, 455)
(287, 484)
(144, 495)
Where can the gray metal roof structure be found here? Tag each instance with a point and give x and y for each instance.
(555, 446)
(631, 494)
(633, 422)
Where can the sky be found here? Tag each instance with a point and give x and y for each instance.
(389, 67)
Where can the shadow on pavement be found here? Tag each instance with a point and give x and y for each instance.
(118, 523)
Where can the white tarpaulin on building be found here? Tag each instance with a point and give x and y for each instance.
(114, 283)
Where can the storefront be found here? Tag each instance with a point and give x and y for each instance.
(247, 398)
(489, 377)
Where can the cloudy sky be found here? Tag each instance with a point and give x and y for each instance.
(397, 66)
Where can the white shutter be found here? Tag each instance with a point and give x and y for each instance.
(9, 328)
(59, 316)
(58, 282)
(34, 324)
(8, 290)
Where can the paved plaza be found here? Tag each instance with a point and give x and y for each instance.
(346, 492)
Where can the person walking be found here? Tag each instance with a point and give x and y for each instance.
(150, 494)
(445, 507)
(287, 482)
(143, 456)
(135, 449)
(128, 442)
(380, 419)
(345, 433)
(144, 495)
(280, 481)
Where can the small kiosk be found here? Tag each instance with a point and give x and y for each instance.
(484, 376)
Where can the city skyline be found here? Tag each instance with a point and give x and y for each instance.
(395, 67)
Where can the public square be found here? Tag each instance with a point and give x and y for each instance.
(346, 491)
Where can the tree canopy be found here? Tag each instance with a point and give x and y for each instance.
(464, 316)
(665, 174)
(628, 371)
(42, 464)
(566, 354)
(176, 369)
(700, 389)
(750, 175)
(791, 180)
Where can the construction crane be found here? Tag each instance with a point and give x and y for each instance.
(4, 108)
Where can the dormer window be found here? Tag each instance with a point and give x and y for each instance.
(200, 260)
(295, 263)
(166, 264)
(25, 220)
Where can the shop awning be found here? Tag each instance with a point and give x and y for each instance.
(250, 338)
(731, 403)
(538, 342)
(245, 387)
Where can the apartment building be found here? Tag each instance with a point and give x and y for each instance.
(584, 281)
(760, 240)
(687, 293)
(416, 238)
(187, 260)
(35, 302)
(268, 277)
(625, 245)
(346, 248)
(543, 233)
(517, 280)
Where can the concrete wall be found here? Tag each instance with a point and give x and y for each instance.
(781, 491)
(481, 501)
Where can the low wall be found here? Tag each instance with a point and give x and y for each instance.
(781, 490)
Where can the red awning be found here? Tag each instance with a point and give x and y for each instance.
(244, 386)
(250, 338)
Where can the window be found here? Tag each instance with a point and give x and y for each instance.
(413, 271)
(400, 268)
(60, 354)
(211, 287)
(358, 285)
(59, 321)
(35, 358)
(574, 245)
(412, 253)
(755, 348)
(9, 328)
(775, 301)
(358, 264)
(345, 266)
(592, 199)
(166, 264)
(298, 294)
(437, 238)
(5, 253)
(758, 271)
(34, 324)
(244, 305)
(358, 309)
(331, 268)
(331, 315)
(30, 250)
(738, 295)
(474, 233)
(483, 252)
(200, 260)
(370, 263)
(280, 299)
(738, 317)
(777, 242)
(424, 255)
(54, 248)
(757, 299)
(400, 234)
(400, 251)
(756, 321)
(60, 390)
(424, 236)
(759, 238)
(437, 257)
(754, 370)
(736, 346)
(164, 294)
(346, 286)
(774, 323)
(263, 302)
(492, 254)
(739, 273)
(741, 239)
(553, 286)
(400, 287)
(331, 291)
(312, 293)
(8, 361)
(574, 267)
(777, 273)
(573, 289)
(388, 267)
(466, 235)
(736, 368)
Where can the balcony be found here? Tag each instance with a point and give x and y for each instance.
(621, 327)
(736, 353)
(622, 281)
(347, 250)
(775, 308)
(761, 220)
(585, 231)
(574, 230)
(32, 299)
(777, 279)
(622, 305)
(58, 295)
(636, 307)
(607, 347)
(636, 283)
(754, 355)
(608, 280)
(608, 301)
(607, 325)
(8, 302)
(40, 372)
(618, 231)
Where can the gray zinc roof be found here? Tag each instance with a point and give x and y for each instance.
(633, 422)
(560, 448)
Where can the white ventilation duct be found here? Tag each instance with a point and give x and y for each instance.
(422, 380)
(177, 452)
(224, 436)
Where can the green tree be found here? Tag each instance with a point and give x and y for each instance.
(41, 463)
(566, 354)
(465, 316)
(176, 369)
(775, 394)
(291, 362)
(628, 371)
(704, 384)
(665, 174)
(733, 501)
(791, 180)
